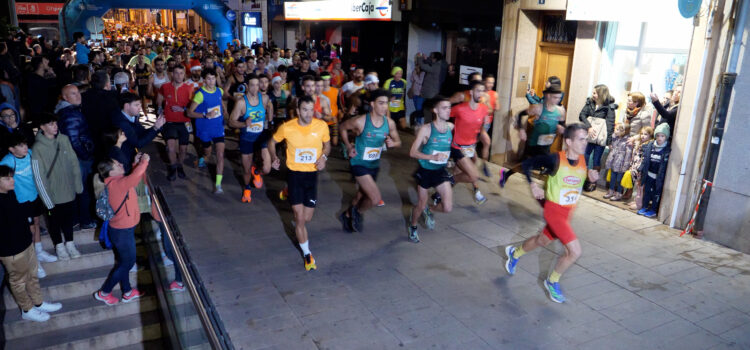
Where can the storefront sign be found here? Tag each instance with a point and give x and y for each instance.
(339, 10)
(38, 8)
(231, 15)
(251, 19)
(621, 11)
(464, 71)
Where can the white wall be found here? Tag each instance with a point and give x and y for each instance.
(424, 41)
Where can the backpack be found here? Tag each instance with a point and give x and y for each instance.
(104, 209)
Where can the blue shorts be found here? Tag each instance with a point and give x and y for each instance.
(215, 140)
(358, 170)
(250, 147)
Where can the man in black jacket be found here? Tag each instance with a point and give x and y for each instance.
(72, 123)
(98, 104)
(667, 114)
(127, 120)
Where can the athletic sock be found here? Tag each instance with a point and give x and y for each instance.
(218, 179)
(38, 246)
(519, 252)
(305, 247)
(554, 277)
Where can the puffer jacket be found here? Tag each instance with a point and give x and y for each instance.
(646, 163)
(58, 183)
(606, 112)
(641, 120)
(73, 124)
(620, 154)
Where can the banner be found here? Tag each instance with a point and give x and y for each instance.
(38, 8)
(338, 10)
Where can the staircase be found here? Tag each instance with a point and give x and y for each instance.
(86, 323)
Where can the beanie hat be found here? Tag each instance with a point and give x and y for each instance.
(395, 70)
(662, 128)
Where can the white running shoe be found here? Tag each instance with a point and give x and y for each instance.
(43, 256)
(35, 315)
(72, 251)
(218, 190)
(40, 273)
(479, 198)
(49, 307)
(62, 253)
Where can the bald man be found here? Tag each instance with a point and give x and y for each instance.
(72, 123)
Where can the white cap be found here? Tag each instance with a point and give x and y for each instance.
(371, 79)
(121, 78)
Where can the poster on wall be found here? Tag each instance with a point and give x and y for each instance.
(464, 71)
(338, 10)
(355, 44)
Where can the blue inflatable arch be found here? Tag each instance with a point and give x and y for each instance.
(75, 13)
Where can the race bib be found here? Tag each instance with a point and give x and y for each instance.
(468, 151)
(569, 196)
(372, 153)
(545, 140)
(395, 104)
(212, 109)
(189, 127)
(143, 81)
(444, 161)
(255, 128)
(305, 155)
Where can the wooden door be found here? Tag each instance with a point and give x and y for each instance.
(553, 59)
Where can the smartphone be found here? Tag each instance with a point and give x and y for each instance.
(652, 88)
(528, 87)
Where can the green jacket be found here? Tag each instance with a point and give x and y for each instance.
(58, 183)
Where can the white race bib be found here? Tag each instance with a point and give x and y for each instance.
(255, 128)
(372, 153)
(143, 81)
(468, 151)
(569, 196)
(305, 155)
(445, 161)
(395, 104)
(545, 140)
(218, 112)
(189, 127)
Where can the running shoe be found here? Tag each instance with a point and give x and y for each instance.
(413, 235)
(43, 256)
(176, 286)
(246, 196)
(108, 299)
(171, 174)
(502, 178)
(486, 169)
(35, 315)
(310, 262)
(283, 194)
(510, 264)
(132, 295)
(89, 226)
(429, 219)
(356, 218)
(346, 223)
(380, 204)
(180, 172)
(479, 198)
(201, 163)
(48, 307)
(436, 199)
(553, 289)
(643, 211)
(650, 214)
(218, 190)
(40, 273)
(257, 180)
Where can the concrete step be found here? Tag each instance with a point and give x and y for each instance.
(79, 283)
(195, 340)
(81, 237)
(157, 344)
(109, 334)
(92, 255)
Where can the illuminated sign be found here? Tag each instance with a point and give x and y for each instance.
(251, 19)
(339, 10)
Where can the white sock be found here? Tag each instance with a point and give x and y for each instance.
(38, 247)
(305, 247)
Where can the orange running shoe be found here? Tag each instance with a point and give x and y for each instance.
(257, 180)
(310, 262)
(381, 203)
(284, 193)
(246, 196)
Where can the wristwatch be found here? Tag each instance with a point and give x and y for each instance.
(324, 157)
(204, 115)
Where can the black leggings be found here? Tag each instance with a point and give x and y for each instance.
(61, 220)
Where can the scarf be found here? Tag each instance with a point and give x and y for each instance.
(633, 112)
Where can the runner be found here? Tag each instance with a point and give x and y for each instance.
(142, 73)
(323, 109)
(279, 98)
(397, 88)
(484, 137)
(551, 121)
(252, 118)
(308, 146)
(373, 131)
(432, 147)
(567, 172)
(173, 99)
(236, 84)
(208, 109)
(156, 80)
(333, 97)
(469, 118)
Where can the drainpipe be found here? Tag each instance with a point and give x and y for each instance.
(724, 95)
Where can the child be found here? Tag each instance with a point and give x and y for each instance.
(653, 169)
(618, 161)
(19, 159)
(17, 253)
(58, 180)
(646, 135)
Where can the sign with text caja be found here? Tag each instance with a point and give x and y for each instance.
(339, 10)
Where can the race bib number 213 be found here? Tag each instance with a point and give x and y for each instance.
(305, 155)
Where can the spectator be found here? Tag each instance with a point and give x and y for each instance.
(127, 120)
(618, 162)
(124, 200)
(532, 97)
(653, 170)
(18, 256)
(415, 93)
(10, 122)
(432, 68)
(638, 114)
(97, 104)
(58, 180)
(40, 94)
(598, 115)
(72, 123)
(82, 51)
(646, 136)
(667, 114)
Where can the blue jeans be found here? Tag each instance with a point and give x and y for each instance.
(598, 151)
(169, 252)
(123, 245)
(418, 106)
(614, 182)
(84, 200)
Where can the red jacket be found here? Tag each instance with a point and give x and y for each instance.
(120, 186)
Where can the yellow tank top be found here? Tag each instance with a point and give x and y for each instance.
(564, 188)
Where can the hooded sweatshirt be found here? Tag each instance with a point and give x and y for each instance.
(23, 176)
(5, 128)
(59, 182)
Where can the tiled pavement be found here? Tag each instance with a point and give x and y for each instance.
(637, 285)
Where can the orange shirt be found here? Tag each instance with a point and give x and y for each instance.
(120, 186)
(333, 97)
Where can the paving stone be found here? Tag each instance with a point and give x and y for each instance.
(724, 321)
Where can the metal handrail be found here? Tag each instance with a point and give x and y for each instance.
(217, 335)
